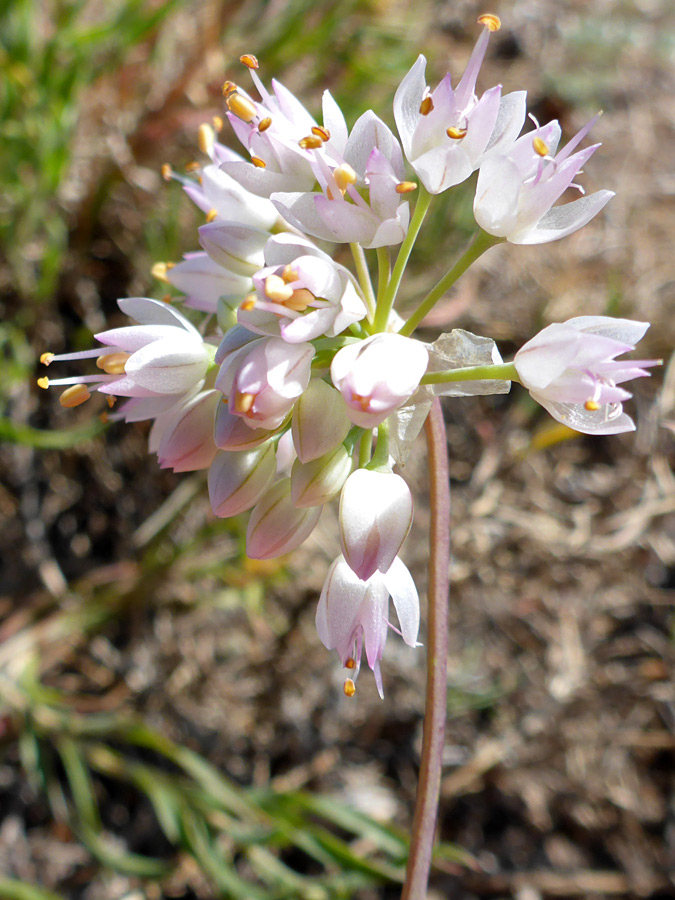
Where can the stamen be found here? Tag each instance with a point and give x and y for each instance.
(344, 175)
(217, 123)
(290, 274)
(43, 382)
(311, 142)
(249, 60)
(426, 105)
(159, 271)
(104, 417)
(258, 163)
(349, 687)
(46, 358)
(110, 400)
(193, 166)
(241, 106)
(74, 396)
(363, 402)
(321, 132)
(249, 303)
(491, 21)
(167, 298)
(277, 289)
(228, 88)
(265, 123)
(350, 663)
(405, 187)
(540, 146)
(113, 363)
(299, 300)
(211, 216)
(591, 405)
(166, 171)
(243, 402)
(206, 138)
(456, 133)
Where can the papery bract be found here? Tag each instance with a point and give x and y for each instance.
(353, 613)
(571, 369)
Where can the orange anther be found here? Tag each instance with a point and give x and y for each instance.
(491, 21)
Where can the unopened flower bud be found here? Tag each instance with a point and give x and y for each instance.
(320, 421)
(238, 480)
(317, 482)
(276, 526)
(376, 511)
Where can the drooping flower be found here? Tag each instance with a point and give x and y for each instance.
(376, 512)
(571, 369)
(445, 133)
(377, 375)
(517, 188)
(353, 613)
(163, 355)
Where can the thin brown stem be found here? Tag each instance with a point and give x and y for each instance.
(428, 787)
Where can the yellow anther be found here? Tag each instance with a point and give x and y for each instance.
(290, 274)
(43, 382)
(405, 187)
(206, 138)
(540, 147)
(46, 358)
(243, 402)
(249, 303)
(258, 163)
(211, 216)
(349, 687)
(265, 123)
(426, 106)
(344, 175)
(300, 300)
(320, 132)
(217, 123)
(167, 298)
(592, 405)
(241, 106)
(74, 396)
(249, 60)
(110, 400)
(166, 171)
(193, 166)
(103, 417)
(311, 142)
(350, 663)
(456, 133)
(159, 271)
(228, 88)
(277, 289)
(491, 21)
(113, 363)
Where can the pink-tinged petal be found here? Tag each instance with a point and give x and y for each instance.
(626, 331)
(576, 416)
(407, 101)
(400, 584)
(319, 481)
(170, 366)
(368, 132)
(480, 126)
(376, 512)
(139, 409)
(237, 480)
(205, 282)
(292, 108)
(339, 604)
(285, 247)
(334, 122)
(308, 327)
(276, 527)
(232, 433)
(373, 620)
(264, 182)
(441, 167)
(392, 231)
(130, 338)
(187, 441)
(467, 85)
(345, 221)
(232, 201)
(564, 220)
(154, 312)
(546, 356)
(238, 248)
(320, 422)
(497, 191)
(510, 120)
(299, 209)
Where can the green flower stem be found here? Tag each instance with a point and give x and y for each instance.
(381, 455)
(383, 271)
(364, 278)
(482, 242)
(365, 448)
(506, 371)
(429, 784)
(386, 302)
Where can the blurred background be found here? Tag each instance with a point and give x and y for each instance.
(170, 725)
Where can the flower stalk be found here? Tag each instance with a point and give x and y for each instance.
(429, 784)
(507, 371)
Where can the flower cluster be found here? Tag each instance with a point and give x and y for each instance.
(302, 384)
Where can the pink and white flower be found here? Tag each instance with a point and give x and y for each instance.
(571, 369)
(445, 133)
(377, 375)
(276, 525)
(353, 613)
(517, 188)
